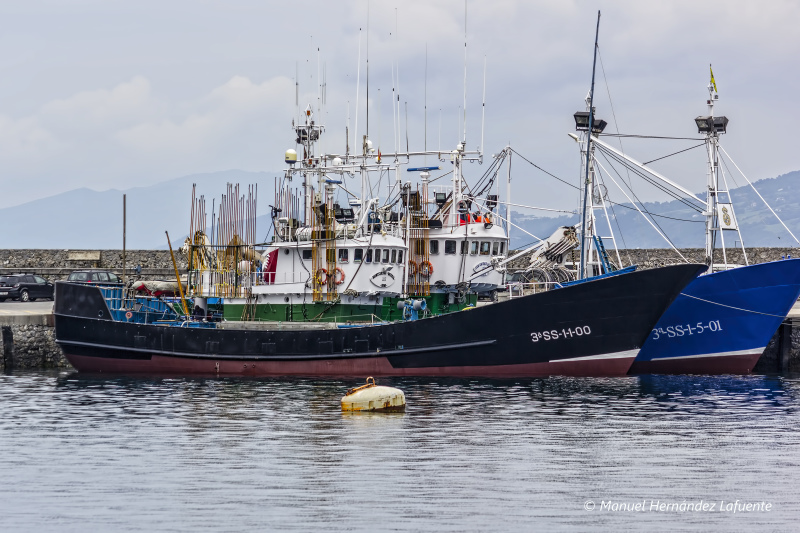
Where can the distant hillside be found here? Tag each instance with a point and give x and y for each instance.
(83, 218)
(759, 227)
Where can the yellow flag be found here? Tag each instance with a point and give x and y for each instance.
(712, 79)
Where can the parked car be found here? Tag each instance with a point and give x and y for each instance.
(91, 275)
(24, 287)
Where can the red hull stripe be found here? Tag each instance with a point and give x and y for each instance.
(361, 367)
(738, 363)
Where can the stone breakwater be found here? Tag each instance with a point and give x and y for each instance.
(782, 354)
(30, 345)
(657, 257)
(57, 264)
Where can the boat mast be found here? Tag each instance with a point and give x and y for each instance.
(585, 235)
(508, 196)
(711, 175)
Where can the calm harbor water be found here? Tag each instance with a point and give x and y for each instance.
(121, 454)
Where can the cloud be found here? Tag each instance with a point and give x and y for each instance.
(64, 124)
(105, 137)
(209, 119)
(129, 101)
(25, 138)
(107, 97)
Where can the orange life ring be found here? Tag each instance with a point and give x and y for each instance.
(426, 269)
(321, 276)
(412, 268)
(336, 278)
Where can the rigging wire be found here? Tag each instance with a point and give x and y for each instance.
(650, 137)
(622, 235)
(439, 177)
(758, 193)
(653, 223)
(606, 153)
(543, 170)
(493, 169)
(613, 113)
(674, 153)
(642, 204)
(609, 201)
(663, 233)
(647, 178)
(729, 172)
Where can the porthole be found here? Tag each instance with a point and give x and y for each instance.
(286, 251)
(286, 299)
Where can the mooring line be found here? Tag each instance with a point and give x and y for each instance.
(732, 307)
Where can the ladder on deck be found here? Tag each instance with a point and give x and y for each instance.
(249, 311)
(608, 266)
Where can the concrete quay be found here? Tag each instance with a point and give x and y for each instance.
(27, 337)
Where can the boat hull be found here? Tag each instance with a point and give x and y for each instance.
(721, 322)
(606, 365)
(591, 329)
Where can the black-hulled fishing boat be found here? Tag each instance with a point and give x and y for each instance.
(593, 328)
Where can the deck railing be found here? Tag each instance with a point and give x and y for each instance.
(515, 290)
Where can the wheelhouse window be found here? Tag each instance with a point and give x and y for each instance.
(434, 247)
(473, 248)
(306, 255)
(419, 247)
(394, 256)
(358, 255)
(385, 256)
(464, 245)
(450, 247)
(368, 259)
(495, 248)
(486, 247)
(344, 255)
(502, 247)
(400, 256)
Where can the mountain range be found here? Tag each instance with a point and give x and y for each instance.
(684, 226)
(88, 219)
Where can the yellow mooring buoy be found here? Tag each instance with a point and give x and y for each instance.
(372, 397)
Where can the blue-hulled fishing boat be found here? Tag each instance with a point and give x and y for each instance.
(722, 321)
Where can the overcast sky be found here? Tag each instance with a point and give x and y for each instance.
(106, 94)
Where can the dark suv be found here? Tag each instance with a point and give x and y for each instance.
(25, 287)
(94, 276)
